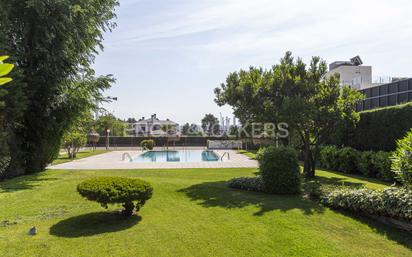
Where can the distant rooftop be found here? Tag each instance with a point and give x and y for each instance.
(153, 119)
(355, 61)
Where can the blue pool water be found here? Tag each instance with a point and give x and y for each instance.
(177, 156)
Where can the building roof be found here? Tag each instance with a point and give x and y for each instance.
(155, 120)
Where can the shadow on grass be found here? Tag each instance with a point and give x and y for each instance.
(24, 182)
(93, 224)
(340, 179)
(392, 233)
(218, 194)
(338, 182)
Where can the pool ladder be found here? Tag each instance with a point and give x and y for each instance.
(228, 156)
(128, 156)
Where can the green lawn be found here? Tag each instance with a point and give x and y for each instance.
(63, 158)
(192, 213)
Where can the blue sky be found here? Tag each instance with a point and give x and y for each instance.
(168, 56)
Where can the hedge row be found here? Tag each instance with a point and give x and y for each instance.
(390, 202)
(348, 160)
(378, 129)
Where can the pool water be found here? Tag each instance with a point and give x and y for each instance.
(177, 156)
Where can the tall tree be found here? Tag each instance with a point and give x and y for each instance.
(210, 124)
(312, 105)
(51, 42)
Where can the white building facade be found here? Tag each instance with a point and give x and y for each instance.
(155, 127)
(352, 73)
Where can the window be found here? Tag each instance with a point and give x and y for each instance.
(393, 88)
(403, 98)
(367, 104)
(375, 103)
(403, 86)
(375, 91)
(383, 90)
(383, 101)
(392, 100)
(367, 92)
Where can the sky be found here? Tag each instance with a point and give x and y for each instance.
(168, 56)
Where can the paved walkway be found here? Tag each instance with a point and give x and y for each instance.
(113, 160)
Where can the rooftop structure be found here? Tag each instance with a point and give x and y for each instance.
(352, 73)
(154, 126)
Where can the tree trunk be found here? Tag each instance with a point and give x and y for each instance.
(128, 209)
(308, 162)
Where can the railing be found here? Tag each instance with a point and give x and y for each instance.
(127, 155)
(228, 156)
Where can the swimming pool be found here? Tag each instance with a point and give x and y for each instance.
(177, 156)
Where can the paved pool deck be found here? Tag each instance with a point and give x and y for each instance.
(113, 160)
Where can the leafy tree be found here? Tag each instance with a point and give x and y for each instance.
(131, 120)
(76, 136)
(109, 122)
(52, 43)
(5, 68)
(210, 124)
(312, 105)
(185, 129)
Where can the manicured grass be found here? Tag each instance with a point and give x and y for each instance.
(251, 153)
(192, 213)
(63, 158)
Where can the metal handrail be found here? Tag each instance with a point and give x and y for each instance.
(228, 156)
(126, 155)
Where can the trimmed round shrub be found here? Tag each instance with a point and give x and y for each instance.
(147, 144)
(402, 160)
(131, 193)
(328, 157)
(348, 159)
(279, 169)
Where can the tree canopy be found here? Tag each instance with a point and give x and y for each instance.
(52, 44)
(312, 104)
(210, 124)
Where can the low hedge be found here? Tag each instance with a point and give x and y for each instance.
(132, 193)
(390, 202)
(348, 160)
(247, 183)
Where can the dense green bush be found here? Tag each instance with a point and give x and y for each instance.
(368, 163)
(131, 193)
(347, 160)
(365, 165)
(279, 169)
(377, 129)
(390, 202)
(402, 160)
(147, 144)
(328, 157)
(248, 183)
(381, 163)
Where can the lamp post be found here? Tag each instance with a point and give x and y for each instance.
(107, 139)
